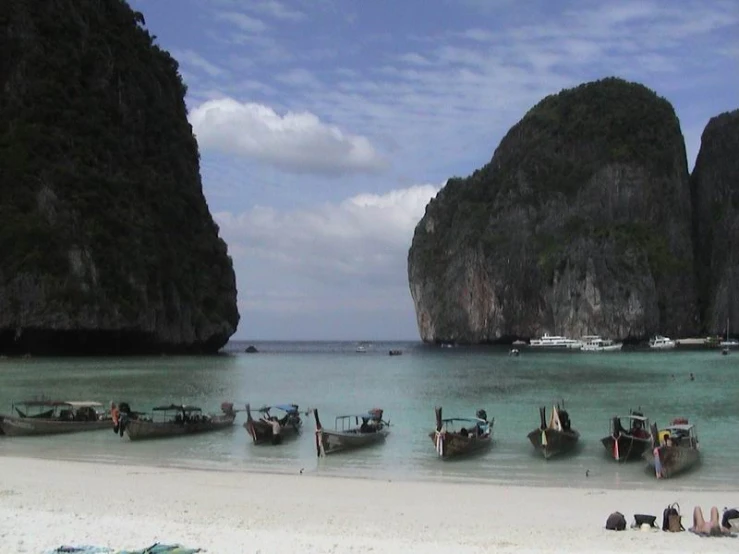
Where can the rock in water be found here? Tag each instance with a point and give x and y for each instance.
(714, 185)
(106, 242)
(580, 223)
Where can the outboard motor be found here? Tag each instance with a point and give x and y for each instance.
(564, 418)
(617, 428)
(482, 414)
(542, 418)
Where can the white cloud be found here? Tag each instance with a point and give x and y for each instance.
(295, 142)
(242, 21)
(347, 258)
(275, 9)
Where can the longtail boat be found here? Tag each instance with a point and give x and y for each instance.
(272, 429)
(459, 436)
(630, 442)
(674, 449)
(176, 420)
(349, 433)
(52, 417)
(557, 436)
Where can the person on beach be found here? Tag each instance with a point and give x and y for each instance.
(710, 528)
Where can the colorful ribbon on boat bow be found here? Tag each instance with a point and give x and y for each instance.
(440, 442)
(616, 453)
(319, 443)
(657, 463)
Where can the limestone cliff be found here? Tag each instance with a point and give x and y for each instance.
(580, 223)
(715, 188)
(107, 244)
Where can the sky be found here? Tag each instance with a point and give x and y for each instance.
(326, 126)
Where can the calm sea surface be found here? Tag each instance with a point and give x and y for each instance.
(335, 379)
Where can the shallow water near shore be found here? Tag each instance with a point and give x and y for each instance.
(335, 379)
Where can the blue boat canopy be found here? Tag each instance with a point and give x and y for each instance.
(373, 414)
(289, 408)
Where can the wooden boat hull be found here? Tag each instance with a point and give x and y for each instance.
(673, 459)
(27, 426)
(138, 429)
(338, 441)
(556, 442)
(455, 445)
(626, 447)
(262, 432)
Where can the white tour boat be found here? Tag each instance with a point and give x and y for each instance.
(660, 342)
(594, 343)
(556, 342)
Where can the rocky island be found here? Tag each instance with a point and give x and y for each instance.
(106, 245)
(581, 223)
(714, 185)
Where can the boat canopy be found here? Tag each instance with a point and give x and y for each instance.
(634, 417)
(55, 403)
(464, 419)
(680, 427)
(366, 415)
(289, 408)
(82, 404)
(180, 407)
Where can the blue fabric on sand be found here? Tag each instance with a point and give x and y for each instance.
(163, 549)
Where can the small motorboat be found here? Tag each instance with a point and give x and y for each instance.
(557, 436)
(675, 449)
(629, 442)
(348, 433)
(272, 429)
(459, 436)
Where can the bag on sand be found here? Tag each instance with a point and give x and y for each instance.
(671, 518)
(616, 522)
(640, 519)
(731, 513)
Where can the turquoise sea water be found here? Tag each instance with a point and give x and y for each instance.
(335, 379)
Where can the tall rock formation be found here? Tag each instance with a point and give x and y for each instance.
(580, 224)
(714, 185)
(106, 243)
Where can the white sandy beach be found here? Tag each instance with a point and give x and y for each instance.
(46, 503)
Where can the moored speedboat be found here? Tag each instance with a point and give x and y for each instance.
(176, 420)
(555, 437)
(630, 442)
(349, 434)
(271, 429)
(674, 449)
(461, 436)
(53, 417)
